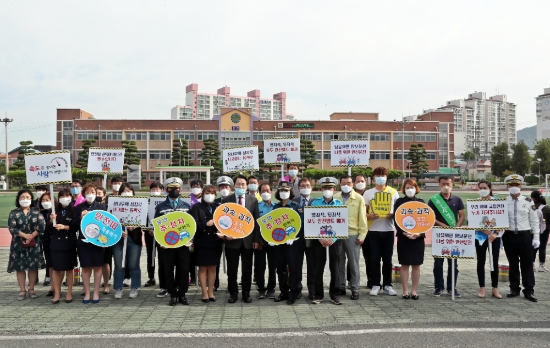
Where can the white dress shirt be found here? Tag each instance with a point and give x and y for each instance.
(521, 216)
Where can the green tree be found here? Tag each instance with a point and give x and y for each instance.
(521, 160)
(180, 153)
(417, 155)
(84, 154)
(131, 152)
(542, 151)
(25, 147)
(211, 156)
(500, 159)
(307, 154)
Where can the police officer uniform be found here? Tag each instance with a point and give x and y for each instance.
(222, 180)
(520, 238)
(178, 258)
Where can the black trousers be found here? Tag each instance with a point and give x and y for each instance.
(320, 260)
(178, 258)
(519, 251)
(149, 245)
(381, 247)
(541, 248)
(161, 268)
(265, 258)
(233, 256)
(366, 255)
(482, 251)
(193, 266)
(310, 266)
(289, 260)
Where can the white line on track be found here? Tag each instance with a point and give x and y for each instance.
(276, 334)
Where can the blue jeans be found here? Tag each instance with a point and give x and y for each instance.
(438, 273)
(133, 252)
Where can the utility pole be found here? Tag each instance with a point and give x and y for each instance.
(403, 123)
(7, 121)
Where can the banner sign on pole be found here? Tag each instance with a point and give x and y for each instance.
(490, 214)
(453, 243)
(130, 210)
(282, 151)
(349, 153)
(233, 220)
(240, 159)
(280, 225)
(174, 229)
(101, 228)
(326, 222)
(415, 217)
(103, 161)
(52, 167)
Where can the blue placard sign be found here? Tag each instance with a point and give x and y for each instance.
(101, 228)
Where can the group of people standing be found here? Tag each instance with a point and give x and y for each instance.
(42, 238)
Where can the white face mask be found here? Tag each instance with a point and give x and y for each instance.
(360, 185)
(90, 198)
(410, 192)
(209, 198)
(155, 193)
(346, 188)
(305, 192)
(253, 187)
(292, 173)
(266, 196)
(39, 194)
(126, 194)
(47, 205)
(196, 191)
(65, 201)
(25, 203)
(225, 192)
(484, 193)
(446, 189)
(514, 190)
(115, 187)
(284, 194)
(328, 193)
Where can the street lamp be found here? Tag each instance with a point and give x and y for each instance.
(403, 122)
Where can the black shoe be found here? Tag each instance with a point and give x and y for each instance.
(342, 292)
(212, 299)
(271, 294)
(173, 301)
(246, 297)
(232, 298)
(56, 302)
(150, 282)
(335, 300)
(205, 300)
(512, 294)
(261, 295)
(354, 295)
(183, 301)
(531, 298)
(280, 298)
(310, 296)
(49, 294)
(291, 300)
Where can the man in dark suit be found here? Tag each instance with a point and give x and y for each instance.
(243, 248)
(224, 187)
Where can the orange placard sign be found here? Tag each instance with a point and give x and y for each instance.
(415, 217)
(233, 220)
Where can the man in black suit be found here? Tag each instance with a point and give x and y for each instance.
(224, 187)
(243, 248)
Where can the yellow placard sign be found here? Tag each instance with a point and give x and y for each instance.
(415, 217)
(280, 225)
(380, 204)
(233, 220)
(174, 229)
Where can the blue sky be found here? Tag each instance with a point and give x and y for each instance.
(133, 59)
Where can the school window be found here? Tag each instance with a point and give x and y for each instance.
(334, 136)
(326, 155)
(136, 135)
(142, 154)
(207, 135)
(287, 134)
(357, 136)
(311, 136)
(258, 136)
(380, 137)
(397, 136)
(184, 135)
(159, 154)
(380, 155)
(154, 176)
(84, 135)
(425, 137)
(111, 135)
(397, 155)
(431, 156)
(159, 135)
(67, 125)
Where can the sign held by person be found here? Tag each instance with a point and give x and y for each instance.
(490, 214)
(280, 225)
(282, 151)
(453, 243)
(130, 210)
(239, 159)
(52, 167)
(349, 153)
(233, 220)
(326, 222)
(105, 161)
(415, 217)
(101, 228)
(175, 229)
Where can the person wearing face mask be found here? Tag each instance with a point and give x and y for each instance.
(156, 190)
(265, 257)
(45, 203)
(449, 212)
(40, 190)
(543, 213)
(292, 178)
(360, 182)
(26, 225)
(381, 235)
(101, 197)
(487, 239)
(410, 247)
(319, 253)
(76, 192)
(242, 249)
(357, 232)
(196, 196)
(520, 239)
(252, 185)
(133, 236)
(116, 183)
(91, 257)
(175, 258)
(208, 247)
(224, 184)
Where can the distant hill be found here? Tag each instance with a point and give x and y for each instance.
(528, 135)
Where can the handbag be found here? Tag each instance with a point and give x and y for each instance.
(30, 244)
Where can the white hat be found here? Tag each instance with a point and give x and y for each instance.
(224, 180)
(514, 179)
(173, 182)
(328, 181)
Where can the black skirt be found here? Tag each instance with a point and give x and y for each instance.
(108, 255)
(63, 260)
(410, 251)
(208, 256)
(90, 255)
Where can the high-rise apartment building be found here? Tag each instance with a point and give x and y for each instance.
(543, 115)
(204, 106)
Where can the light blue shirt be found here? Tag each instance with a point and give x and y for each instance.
(321, 202)
(264, 208)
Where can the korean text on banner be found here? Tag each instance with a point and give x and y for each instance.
(280, 225)
(326, 222)
(153, 202)
(457, 243)
(349, 153)
(103, 161)
(174, 229)
(233, 220)
(48, 168)
(130, 210)
(415, 217)
(101, 228)
(487, 214)
(241, 159)
(282, 151)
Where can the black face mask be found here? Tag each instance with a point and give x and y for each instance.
(174, 193)
(99, 199)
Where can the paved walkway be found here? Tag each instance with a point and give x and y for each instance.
(147, 313)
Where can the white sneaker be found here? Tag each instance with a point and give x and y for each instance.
(542, 268)
(118, 294)
(126, 282)
(133, 293)
(389, 290)
(374, 291)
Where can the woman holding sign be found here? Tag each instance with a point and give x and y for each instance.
(91, 257)
(410, 246)
(208, 247)
(45, 205)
